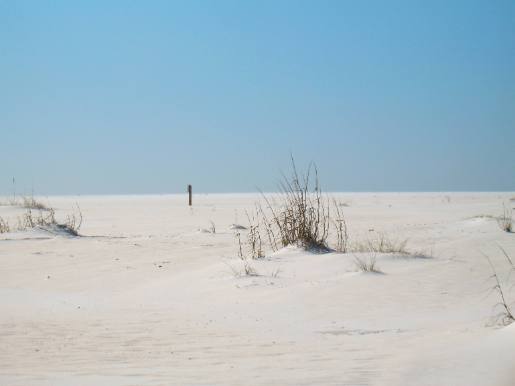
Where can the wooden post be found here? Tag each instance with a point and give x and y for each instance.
(189, 194)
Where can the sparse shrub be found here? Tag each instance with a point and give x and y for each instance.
(212, 228)
(367, 264)
(505, 220)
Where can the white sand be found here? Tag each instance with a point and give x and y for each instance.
(149, 299)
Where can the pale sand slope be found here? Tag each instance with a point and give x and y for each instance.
(150, 300)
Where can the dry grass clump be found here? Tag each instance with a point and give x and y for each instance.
(303, 215)
(507, 315)
(248, 269)
(300, 215)
(422, 253)
(252, 246)
(27, 202)
(254, 238)
(4, 226)
(72, 224)
(31, 220)
(45, 219)
(367, 264)
(342, 236)
(48, 221)
(505, 220)
(382, 244)
(32, 203)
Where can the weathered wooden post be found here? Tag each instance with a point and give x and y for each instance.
(189, 194)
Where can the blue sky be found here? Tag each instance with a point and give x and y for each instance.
(148, 96)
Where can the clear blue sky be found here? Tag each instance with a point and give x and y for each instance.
(148, 96)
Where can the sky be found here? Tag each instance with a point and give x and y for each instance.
(133, 97)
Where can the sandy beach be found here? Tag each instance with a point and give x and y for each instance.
(149, 295)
